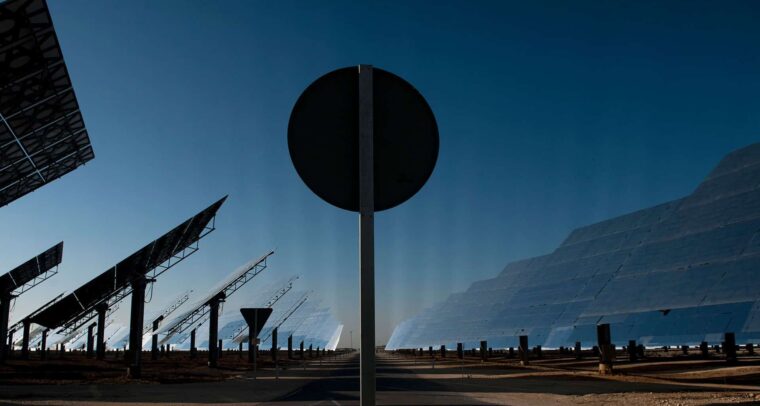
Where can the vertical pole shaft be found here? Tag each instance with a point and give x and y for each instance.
(90, 340)
(25, 340)
(290, 346)
(136, 318)
(213, 331)
(101, 343)
(367, 236)
(606, 350)
(192, 344)
(154, 341)
(5, 310)
(632, 350)
(43, 344)
(730, 347)
(274, 345)
(253, 336)
(523, 349)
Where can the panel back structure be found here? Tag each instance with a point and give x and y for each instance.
(678, 273)
(42, 133)
(110, 287)
(20, 279)
(208, 308)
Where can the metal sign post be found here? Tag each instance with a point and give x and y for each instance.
(366, 238)
(363, 140)
(253, 346)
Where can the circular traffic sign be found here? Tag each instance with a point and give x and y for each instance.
(323, 138)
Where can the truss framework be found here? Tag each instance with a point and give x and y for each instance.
(42, 133)
(37, 280)
(279, 294)
(199, 315)
(280, 321)
(119, 295)
(148, 327)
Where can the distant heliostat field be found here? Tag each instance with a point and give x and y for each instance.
(678, 273)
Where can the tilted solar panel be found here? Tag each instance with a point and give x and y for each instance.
(31, 269)
(42, 133)
(151, 257)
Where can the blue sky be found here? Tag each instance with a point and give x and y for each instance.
(552, 115)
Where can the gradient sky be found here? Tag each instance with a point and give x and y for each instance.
(552, 115)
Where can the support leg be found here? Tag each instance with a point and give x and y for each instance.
(137, 314)
(25, 340)
(101, 344)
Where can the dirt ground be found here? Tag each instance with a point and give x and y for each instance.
(660, 379)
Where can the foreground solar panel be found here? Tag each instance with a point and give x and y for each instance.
(42, 133)
(110, 287)
(675, 274)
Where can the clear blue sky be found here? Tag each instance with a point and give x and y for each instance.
(552, 115)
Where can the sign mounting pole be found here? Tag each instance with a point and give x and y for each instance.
(325, 148)
(366, 237)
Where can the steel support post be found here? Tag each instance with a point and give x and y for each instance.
(213, 332)
(632, 350)
(101, 343)
(484, 350)
(523, 350)
(703, 349)
(154, 339)
(136, 319)
(606, 350)
(9, 344)
(274, 344)
(301, 349)
(290, 346)
(460, 351)
(730, 347)
(5, 310)
(366, 237)
(25, 339)
(91, 340)
(193, 350)
(43, 344)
